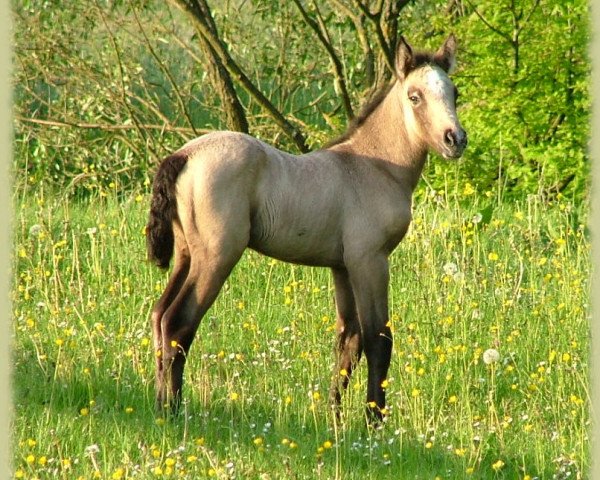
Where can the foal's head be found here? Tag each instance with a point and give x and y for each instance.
(429, 97)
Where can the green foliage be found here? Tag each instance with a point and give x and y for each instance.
(129, 77)
(528, 120)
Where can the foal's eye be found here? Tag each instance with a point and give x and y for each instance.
(414, 99)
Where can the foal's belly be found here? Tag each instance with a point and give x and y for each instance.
(301, 247)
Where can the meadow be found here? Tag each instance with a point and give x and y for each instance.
(474, 273)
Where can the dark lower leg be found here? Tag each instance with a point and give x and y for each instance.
(171, 291)
(180, 323)
(378, 356)
(348, 348)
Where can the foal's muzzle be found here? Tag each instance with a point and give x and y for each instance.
(455, 142)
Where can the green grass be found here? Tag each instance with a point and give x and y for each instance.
(514, 278)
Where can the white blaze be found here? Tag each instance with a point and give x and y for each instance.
(437, 82)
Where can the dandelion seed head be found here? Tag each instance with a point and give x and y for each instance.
(490, 356)
(35, 230)
(450, 268)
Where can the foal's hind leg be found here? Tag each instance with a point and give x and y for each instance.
(349, 345)
(208, 271)
(181, 267)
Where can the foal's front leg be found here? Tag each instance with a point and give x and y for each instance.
(369, 277)
(349, 345)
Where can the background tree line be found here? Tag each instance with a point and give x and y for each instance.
(105, 88)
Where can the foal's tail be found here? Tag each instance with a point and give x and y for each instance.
(163, 210)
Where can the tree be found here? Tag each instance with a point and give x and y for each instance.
(104, 90)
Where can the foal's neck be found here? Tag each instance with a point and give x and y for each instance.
(384, 138)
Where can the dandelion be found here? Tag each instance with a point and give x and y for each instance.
(258, 441)
(128, 409)
(30, 459)
(343, 372)
(460, 452)
(35, 230)
(468, 190)
(84, 412)
(118, 474)
(233, 396)
(415, 392)
(450, 269)
(491, 356)
(452, 399)
(493, 257)
(327, 445)
(92, 449)
(497, 466)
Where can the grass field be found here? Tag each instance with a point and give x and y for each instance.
(473, 274)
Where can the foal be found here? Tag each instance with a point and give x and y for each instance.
(345, 207)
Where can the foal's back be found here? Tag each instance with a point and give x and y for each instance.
(304, 209)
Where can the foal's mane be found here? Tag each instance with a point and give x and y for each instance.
(419, 59)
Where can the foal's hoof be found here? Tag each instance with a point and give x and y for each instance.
(375, 415)
(167, 408)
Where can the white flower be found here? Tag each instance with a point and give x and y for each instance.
(491, 356)
(477, 218)
(91, 449)
(450, 269)
(35, 230)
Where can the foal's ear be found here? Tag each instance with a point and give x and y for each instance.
(445, 57)
(404, 59)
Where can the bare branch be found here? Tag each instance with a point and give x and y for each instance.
(109, 127)
(319, 28)
(375, 18)
(505, 36)
(164, 68)
(194, 11)
(122, 75)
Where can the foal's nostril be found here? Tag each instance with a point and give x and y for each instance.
(449, 138)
